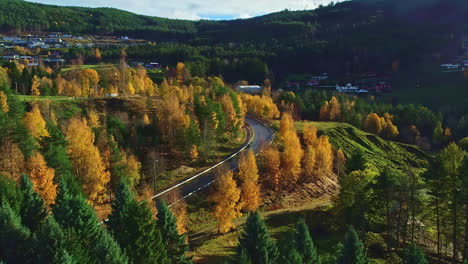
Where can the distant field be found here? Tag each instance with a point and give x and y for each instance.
(29, 98)
(433, 89)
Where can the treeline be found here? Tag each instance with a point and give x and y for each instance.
(336, 38)
(255, 245)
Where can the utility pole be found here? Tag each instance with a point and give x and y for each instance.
(155, 175)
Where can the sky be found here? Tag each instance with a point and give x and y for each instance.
(195, 9)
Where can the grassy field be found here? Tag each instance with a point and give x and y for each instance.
(30, 98)
(97, 67)
(434, 89)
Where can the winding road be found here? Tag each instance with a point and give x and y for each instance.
(258, 134)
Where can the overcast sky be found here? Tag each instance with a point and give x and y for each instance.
(195, 9)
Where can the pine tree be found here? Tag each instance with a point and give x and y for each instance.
(50, 242)
(293, 257)
(13, 236)
(356, 162)
(414, 255)
(33, 209)
(73, 213)
(255, 241)
(10, 193)
(135, 230)
(352, 251)
(304, 244)
(175, 243)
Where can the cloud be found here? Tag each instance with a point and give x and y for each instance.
(196, 9)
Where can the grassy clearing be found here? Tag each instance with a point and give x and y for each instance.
(30, 98)
(97, 67)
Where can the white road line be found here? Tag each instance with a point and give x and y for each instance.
(205, 171)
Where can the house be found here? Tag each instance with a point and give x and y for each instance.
(349, 88)
(153, 65)
(250, 89)
(465, 63)
(451, 66)
(293, 84)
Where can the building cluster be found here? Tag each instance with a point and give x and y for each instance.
(43, 41)
(54, 57)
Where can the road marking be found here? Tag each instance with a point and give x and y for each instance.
(207, 170)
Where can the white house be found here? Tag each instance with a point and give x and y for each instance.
(349, 88)
(250, 89)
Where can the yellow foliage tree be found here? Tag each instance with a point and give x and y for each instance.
(309, 134)
(324, 157)
(261, 107)
(172, 118)
(292, 157)
(225, 197)
(130, 89)
(331, 111)
(35, 86)
(389, 130)
(286, 124)
(42, 178)
(11, 160)
(180, 71)
(248, 176)
(339, 163)
(271, 163)
(97, 54)
(309, 164)
(35, 123)
(231, 115)
(93, 118)
(4, 102)
(193, 153)
(373, 124)
(86, 160)
(89, 78)
(132, 169)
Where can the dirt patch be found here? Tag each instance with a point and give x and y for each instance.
(301, 194)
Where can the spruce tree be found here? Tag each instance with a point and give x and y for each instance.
(74, 214)
(414, 255)
(134, 228)
(176, 244)
(33, 210)
(50, 242)
(305, 245)
(10, 193)
(352, 251)
(256, 241)
(293, 257)
(356, 162)
(14, 237)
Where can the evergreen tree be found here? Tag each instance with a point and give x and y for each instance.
(10, 193)
(304, 244)
(134, 228)
(50, 242)
(256, 241)
(293, 257)
(352, 251)
(176, 244)
(76, 215)
(356, 162)
(14, 236)
(414, 255)
(33, 210)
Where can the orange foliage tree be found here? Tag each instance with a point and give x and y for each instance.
(309, 134)
(4, 102)
(324, 157)
(86, 159)
(35, 86)
(225, 197)
(331, 111)
(11, 160)
(373, 124)
(42, 178)
(172, 118)
(286, 124)
(248, 176)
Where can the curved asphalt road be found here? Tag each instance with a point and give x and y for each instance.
(258, 134)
